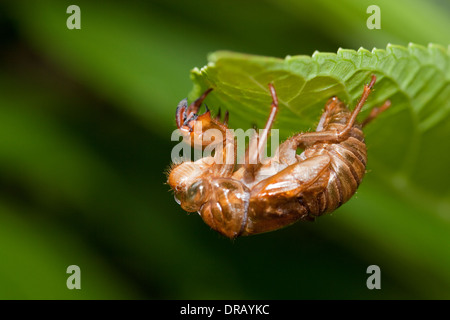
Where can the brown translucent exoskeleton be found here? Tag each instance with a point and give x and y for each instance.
(255, 198)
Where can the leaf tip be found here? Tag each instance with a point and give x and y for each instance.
(195, 70)
(363, 50)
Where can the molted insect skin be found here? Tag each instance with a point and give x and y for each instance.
(347, 166)
(287, 196)
(302, 187)
(226, 211)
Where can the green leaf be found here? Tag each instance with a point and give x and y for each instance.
(416, 80)
(404, 201)
(416, 77)
(87, 116)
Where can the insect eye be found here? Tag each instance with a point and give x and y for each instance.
(196, 193)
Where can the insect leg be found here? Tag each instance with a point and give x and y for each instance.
(195, 106)
(257, 142)
(348, 127)
(261, 141)
(331, 104)
(308, 138)
(287, 151)
(375, 112)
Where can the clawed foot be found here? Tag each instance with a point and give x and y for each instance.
(186, 116)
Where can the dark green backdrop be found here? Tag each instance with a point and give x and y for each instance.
(85, 123)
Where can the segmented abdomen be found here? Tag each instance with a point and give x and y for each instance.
(347, 169)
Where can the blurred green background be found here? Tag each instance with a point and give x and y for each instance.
(85, 123)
